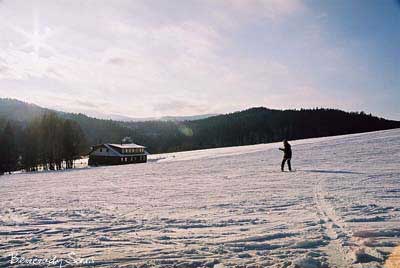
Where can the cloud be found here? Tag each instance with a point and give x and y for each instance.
(167, 57)
(271, 9)
(3, 69)
(116, 61)
(179, 107)
(87, 104)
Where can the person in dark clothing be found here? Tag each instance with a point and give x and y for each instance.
(287, 155)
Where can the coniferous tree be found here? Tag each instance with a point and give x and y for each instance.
(2, 154)
(8, 149)
(31, 157)
(74, 143)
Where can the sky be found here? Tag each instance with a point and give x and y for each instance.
(187, 57)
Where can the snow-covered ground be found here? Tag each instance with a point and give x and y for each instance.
(229, 207)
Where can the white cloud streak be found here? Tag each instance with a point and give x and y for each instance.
(145, 58)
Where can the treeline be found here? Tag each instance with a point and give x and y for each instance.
(262, 125)
(251, 126)
(48, 142)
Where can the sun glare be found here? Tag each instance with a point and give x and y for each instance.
(37, 40)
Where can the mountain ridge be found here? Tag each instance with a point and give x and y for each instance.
(250, 126)
(28, 109)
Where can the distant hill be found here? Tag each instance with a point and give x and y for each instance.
(186, 118)
(251, 126)
(11, 109)
(262, 125)
(124, 118)
(162, 118)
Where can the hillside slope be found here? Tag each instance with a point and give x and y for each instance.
(252, 126)
(217, 208)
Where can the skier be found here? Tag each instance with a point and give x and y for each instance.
(287, 155)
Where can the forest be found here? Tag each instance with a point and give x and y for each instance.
(32, 137)
(48, 142)
(253, 126)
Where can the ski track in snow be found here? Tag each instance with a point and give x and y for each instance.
(227, 207)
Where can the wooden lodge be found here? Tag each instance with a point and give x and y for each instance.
(117, 154)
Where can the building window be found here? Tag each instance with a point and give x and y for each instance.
(107, 150)
(101, 150)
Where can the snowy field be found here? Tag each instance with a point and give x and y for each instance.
(229, 207)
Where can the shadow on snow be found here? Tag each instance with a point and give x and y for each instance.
(331, 171)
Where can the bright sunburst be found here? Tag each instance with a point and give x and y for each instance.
(37, 39)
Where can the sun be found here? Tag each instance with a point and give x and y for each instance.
(37, 39)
